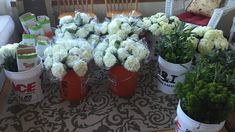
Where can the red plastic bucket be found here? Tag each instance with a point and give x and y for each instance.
(122, 81)
(73, 87)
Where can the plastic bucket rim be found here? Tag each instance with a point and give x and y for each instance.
(179, 109)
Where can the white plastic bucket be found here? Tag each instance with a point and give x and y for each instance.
(185, 124)
(169, 74)
(27, 84)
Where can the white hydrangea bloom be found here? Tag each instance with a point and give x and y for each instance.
(154, 29)
(68, 35)
(59, 56)
(140, 52)
(77, 19)
(114, 37)
(102, 46)
(134, 37)
(205, 46)
(113, 43)
(71, 59)
(221, 43)
(213, 34)
(94, 39)
(126, 28)
(80, 67)
(132, 64)
(111, 49)
(128, 44)
(201, 30)
(98, 57)
(86, 55)
(175, 18)
(2, 57)
(104, 27)
(57, 48)
(163, 19)
(48, 51)
(109, 60)
(146, 23)
(114, 26)
(82, 33)
(75, 51)
(153, 19)
(48, 62)
(58, 33)
(122, 54)
(65, 20)
(85, 18)
(58, 70)
(89, 27)
(71, 27)
(123, 34)
(10, 50)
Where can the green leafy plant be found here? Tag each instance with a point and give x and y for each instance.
(178, 46)
(208, 94)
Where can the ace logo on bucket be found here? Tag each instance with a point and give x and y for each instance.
(27, 92)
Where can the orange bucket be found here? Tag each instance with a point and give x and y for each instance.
(122, 81)
(73, 87)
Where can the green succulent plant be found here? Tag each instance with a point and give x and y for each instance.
(208, 94)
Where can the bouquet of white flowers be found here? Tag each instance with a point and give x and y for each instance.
(128, 52)
(68, 54)
(125, 26)
(210, 39)
(79, 26)
(8, 57)
(159, 24)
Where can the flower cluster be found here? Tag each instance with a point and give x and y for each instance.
(125, 26)
(129, 52)
(159, 24)
(79, 26)
(210, 39)
(8, 56)
(68, 54)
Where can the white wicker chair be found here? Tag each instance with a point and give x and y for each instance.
(229, 6)
(232, 33)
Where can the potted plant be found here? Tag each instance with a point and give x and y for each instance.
(207, 97)
(68, 61)
(175, 47)
(121, 53)
(26, 84)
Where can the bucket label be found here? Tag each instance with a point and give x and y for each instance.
(166, 78)
(28, 92)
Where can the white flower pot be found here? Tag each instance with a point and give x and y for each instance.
(185, 124)
(27, 84)
(169, 74)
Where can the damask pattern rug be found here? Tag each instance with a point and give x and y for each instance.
(101, 111)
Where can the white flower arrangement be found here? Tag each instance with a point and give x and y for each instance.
(8, 56)
(159, 24)
(129, 52)
(68, 54)
(80, 26)
(124, 26)
(210, 39)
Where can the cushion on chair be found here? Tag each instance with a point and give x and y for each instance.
(7, 27)
(203, 7)
(194, 19)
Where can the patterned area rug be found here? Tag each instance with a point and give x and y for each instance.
(101, 111)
